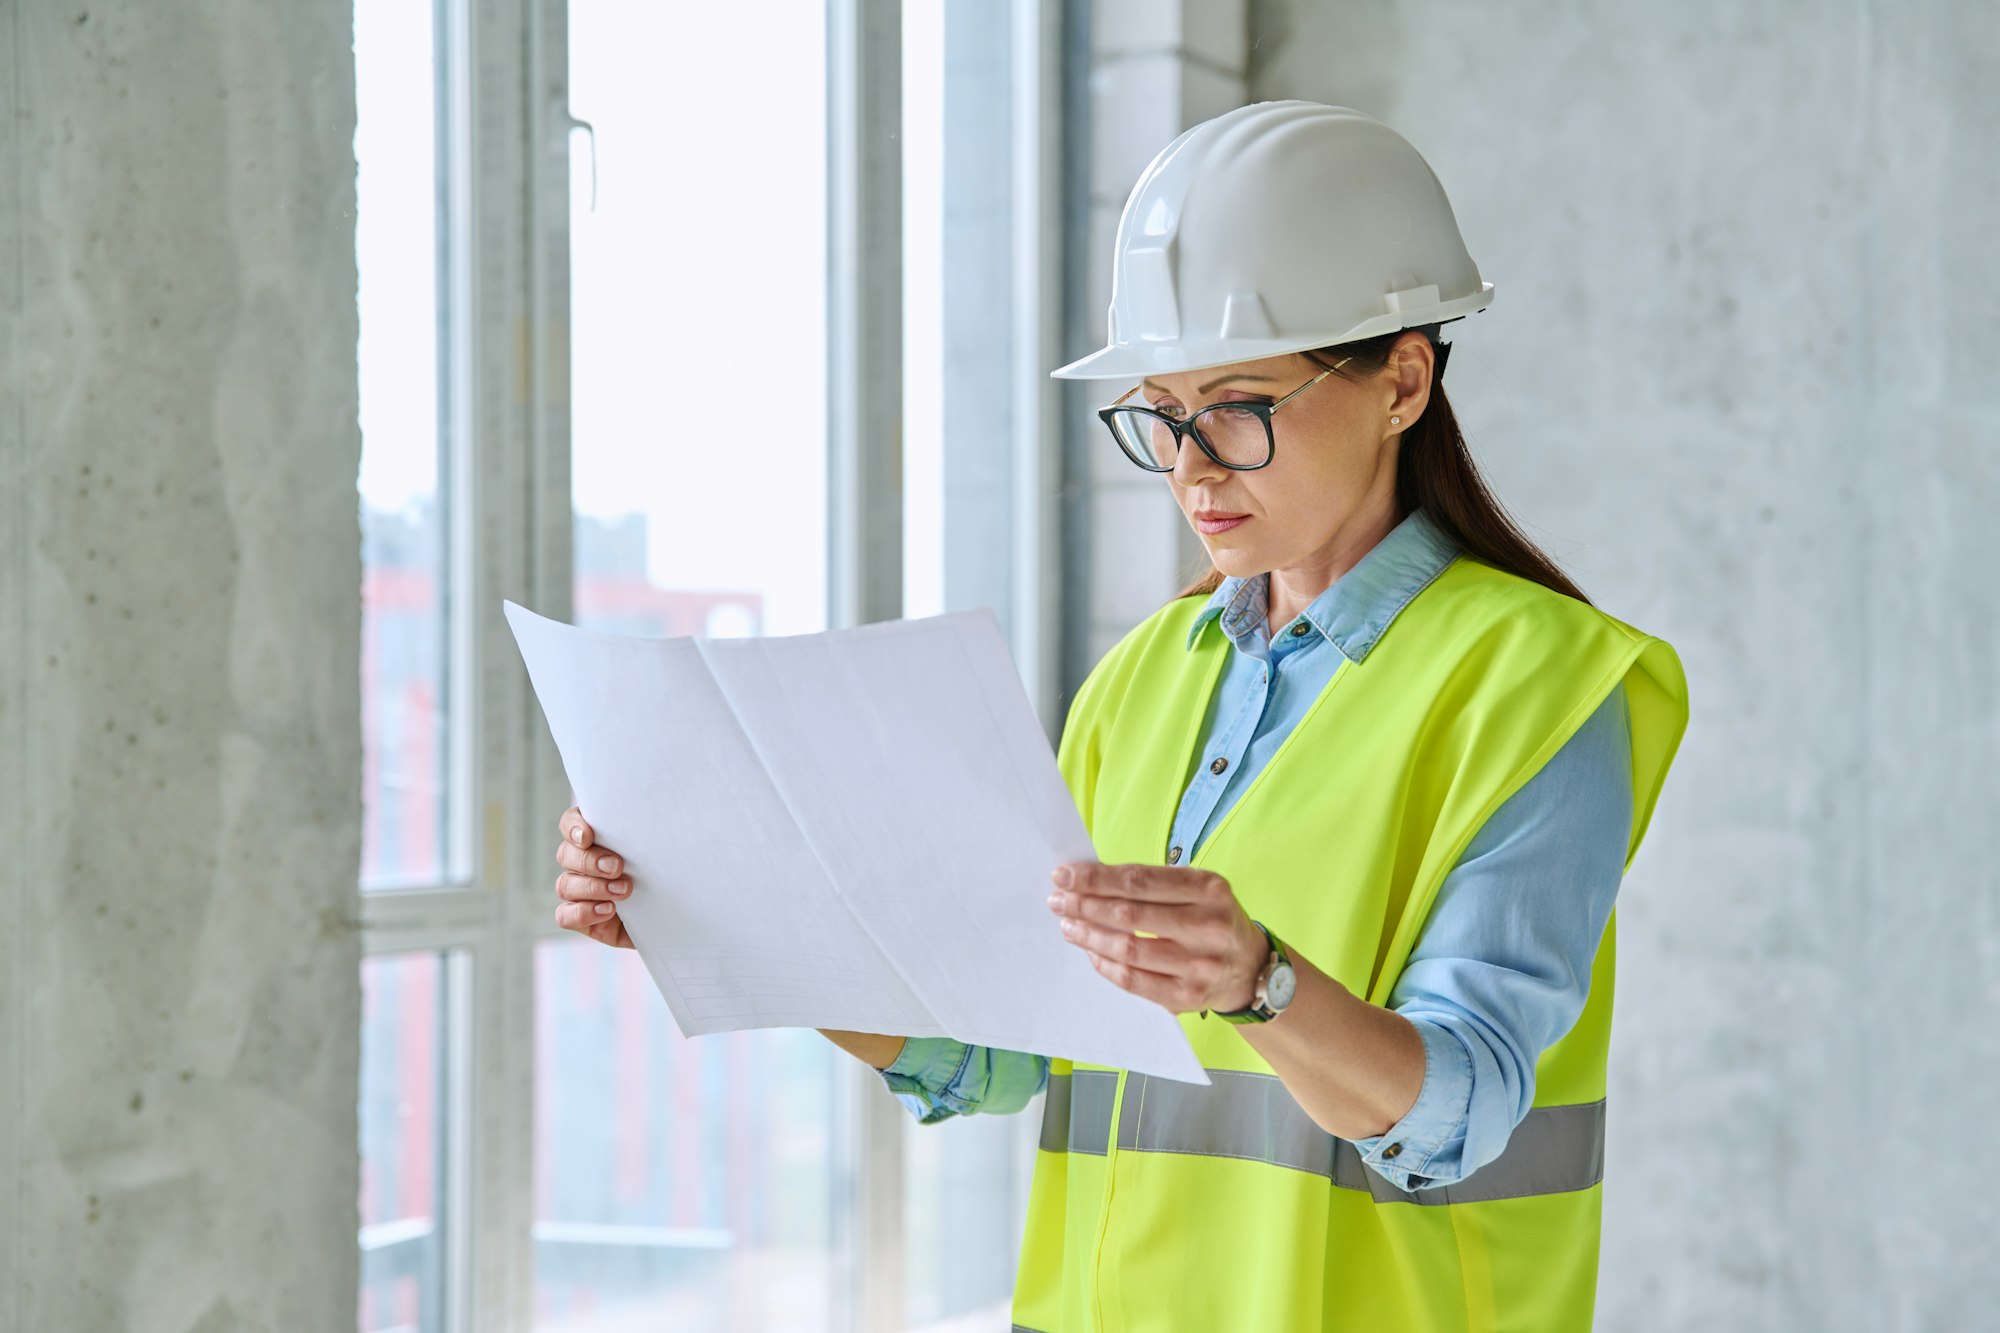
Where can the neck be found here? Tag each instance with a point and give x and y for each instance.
(1292, 590)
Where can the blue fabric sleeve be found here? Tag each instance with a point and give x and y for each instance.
(1502, 967)
(936, 1078)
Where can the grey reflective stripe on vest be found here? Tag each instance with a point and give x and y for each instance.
(1076, 1116)
(1554, 1150)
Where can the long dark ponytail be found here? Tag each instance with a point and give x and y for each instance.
(1435, 473)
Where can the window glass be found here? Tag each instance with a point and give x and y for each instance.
(697, 320)
(959, 262)
(678, 1184)
(689, 1184)
(923, 309)
(401, 1117)
(965, 1179)
(403, 252)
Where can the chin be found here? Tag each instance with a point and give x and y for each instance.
(1234, 563)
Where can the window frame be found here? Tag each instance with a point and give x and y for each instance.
(480, 921)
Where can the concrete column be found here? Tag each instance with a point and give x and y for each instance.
(179, 636)
(1158, 67)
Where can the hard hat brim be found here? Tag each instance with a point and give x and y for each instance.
(1123, 361)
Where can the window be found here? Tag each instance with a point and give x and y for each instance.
(414, 719)
(678, 1184)
(417, 716)
(621, 405)
(402, 1142)
(965, 483)
(687, 1184)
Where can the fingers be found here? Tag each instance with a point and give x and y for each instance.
(1174, 994)
(589, 889)
(1160, 884)
(1183, 919)
(611, 931)
(598, 920)
(599, 861)
(1180, 920)
(584, 916)
(1163, 956)
(591, 885)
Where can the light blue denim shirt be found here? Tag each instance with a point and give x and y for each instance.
(1501, 968)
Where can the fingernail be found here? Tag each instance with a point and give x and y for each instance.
(607, 863)
(604, 909)
(621, 887)
(1069, 925)
(1061, 876)
(1055, 902)
(576, 835)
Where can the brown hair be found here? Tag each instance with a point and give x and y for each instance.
(1435, 473)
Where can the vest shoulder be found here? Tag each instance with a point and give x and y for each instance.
(1164, 628)
(1478, 596)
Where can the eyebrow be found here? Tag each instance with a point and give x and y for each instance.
(1254, 379)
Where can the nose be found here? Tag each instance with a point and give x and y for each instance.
(1193, 464)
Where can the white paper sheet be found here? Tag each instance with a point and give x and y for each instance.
(846, 830)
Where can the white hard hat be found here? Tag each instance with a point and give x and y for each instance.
(1278, 227)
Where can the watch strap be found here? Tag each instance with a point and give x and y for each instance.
(1258, 1010)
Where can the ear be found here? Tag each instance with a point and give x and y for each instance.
(1412, 362)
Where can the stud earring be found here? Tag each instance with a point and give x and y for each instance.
(1395, 421)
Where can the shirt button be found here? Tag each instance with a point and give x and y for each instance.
(1218, 766)
(1174, 856)
(1393, 1150)
(1303, 628)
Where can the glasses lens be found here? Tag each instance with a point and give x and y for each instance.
(1146, 439)
(1239, 436)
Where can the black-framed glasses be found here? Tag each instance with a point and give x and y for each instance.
(1236, 435)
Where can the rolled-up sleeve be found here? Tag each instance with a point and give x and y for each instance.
(937, 1077)
(1502, 967)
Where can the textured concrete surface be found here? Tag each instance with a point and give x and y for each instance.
(1156, 68)
(179, 702)
(1737, 377)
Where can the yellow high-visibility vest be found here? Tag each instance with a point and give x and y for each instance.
(1159, 1205)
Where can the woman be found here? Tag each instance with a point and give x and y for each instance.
(1362, 798)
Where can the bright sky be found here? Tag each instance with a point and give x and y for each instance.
(698, 288)
(393, 241)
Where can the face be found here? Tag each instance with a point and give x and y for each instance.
(1330, 485)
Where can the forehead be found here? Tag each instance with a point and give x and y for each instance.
(1269, 370)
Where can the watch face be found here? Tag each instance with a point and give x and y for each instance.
(1278, 991)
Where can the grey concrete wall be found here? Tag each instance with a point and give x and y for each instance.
(179, 633)
(1737, 377)
(1157, 67)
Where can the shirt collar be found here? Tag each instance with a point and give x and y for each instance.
(1355, 611)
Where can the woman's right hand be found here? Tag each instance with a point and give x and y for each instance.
(592, 884)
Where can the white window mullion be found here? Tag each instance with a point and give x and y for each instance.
(460, 1168)
(521, 477)
(438, 918)
(865, 546)
(1037, 323)
(458, 483)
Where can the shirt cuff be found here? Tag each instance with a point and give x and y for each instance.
(921, 1073)
(1434, 1126)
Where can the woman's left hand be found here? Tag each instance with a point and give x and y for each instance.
(1208, 954)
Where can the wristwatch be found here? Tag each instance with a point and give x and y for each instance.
(1276, 985)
